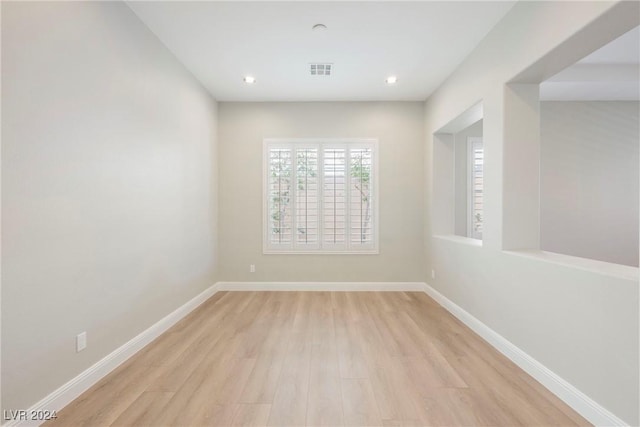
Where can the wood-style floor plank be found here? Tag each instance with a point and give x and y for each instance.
(318, 359)
(359, 403)
(289, 407)
(143, 408)
(251, 415)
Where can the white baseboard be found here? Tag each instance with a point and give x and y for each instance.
(573, 397)
(78, 385)
(322, 286)
(580, 402)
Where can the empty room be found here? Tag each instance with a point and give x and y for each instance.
(320, 213)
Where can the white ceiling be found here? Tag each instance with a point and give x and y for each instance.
(420, 42)
(611, 73)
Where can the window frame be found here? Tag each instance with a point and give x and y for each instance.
(321, 143)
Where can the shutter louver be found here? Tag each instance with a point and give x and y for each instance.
(307, 195)
(280, 216)
(334, 197)
(360, 196)
(477, 187)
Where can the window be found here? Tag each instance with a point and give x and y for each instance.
(320, 196)
(458, 177)
(476, 186)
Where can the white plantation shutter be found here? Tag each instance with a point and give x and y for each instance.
(307, 197)
(334, 197)
(476, 155)
(320, 196)
(360, 198)
(280, 220)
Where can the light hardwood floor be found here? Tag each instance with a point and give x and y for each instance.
(318, 359)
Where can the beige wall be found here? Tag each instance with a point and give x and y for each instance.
(109, 197)
(108, 188)
(589, 179)
(581, 323)
(399, 129)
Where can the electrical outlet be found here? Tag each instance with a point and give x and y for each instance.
(81, 342)
(252, 268)
(433, 274)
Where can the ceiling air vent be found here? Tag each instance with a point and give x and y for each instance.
(320, 69)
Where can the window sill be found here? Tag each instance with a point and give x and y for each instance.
(600, 267)
(459, 239)
(371, 252)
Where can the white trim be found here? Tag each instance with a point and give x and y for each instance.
(322, 286)
(469, 195)
(78, 385)
(336, 141)
(471, 176)
(573, 397)
(322, 252)
(321, 247)
(577, 400)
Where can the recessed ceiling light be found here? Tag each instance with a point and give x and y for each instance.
(319, 27)
(391, 80)
(249, 79)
